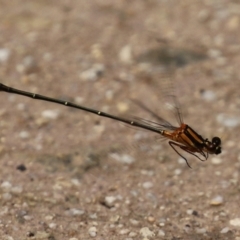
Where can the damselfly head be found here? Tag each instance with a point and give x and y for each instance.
(214, 146)
(216, 141)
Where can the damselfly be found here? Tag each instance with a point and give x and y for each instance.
(182, 137)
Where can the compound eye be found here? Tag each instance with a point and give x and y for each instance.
(218, 151)
(216, 141)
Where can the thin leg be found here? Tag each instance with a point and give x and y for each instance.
(202, 153)
(185, 148)
(172, 144)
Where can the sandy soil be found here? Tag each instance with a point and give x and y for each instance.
(67, 174)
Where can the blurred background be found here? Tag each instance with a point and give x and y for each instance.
(68, 174)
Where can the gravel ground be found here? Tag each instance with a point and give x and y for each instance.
(67, 174)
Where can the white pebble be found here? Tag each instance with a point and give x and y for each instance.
(75, 182)
(216, 160)
(235, 222)
(52, 225)
(181, 161)
(208, 95)
(147, 185)
(189, 211)
(146, 232)
(17, 190)
(124, 158)
(109, 200)
(124, 231)
(228, 121)
(132, 234)
(161, 233)
(134, 222)
(93, 73)
(50, 114)
(201, 230)
(76, 212)
(125, 54)
(4, 54)
(216, 201)
(177, 171)
(6, 185)
(27, 217)
(24, 134)
(92, 231)
(225, 230)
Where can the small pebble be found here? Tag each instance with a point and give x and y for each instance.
(146, 232)
(50, 114)
(6, 186)
(75, 182)
(92, 231)
(132, 234)
(147, 185)
(125, 54)
(161, 233)
(52, 225)
(181, 161)
(225, 230)
(201, 230)
(151, 219)
(109, 201)
(124, 231)
(122, 107)
(93, 73)
(124, 158)
(208, 95)
(189, 211)
(228, 121)
(4, 54)
(17, 190)
(75, 212)
(187, 228)
(24, 134)
(235, 222)
(216, 161)
(115, 218)
(177, 171)
(134, 222)
(216, 201)
(27, 217)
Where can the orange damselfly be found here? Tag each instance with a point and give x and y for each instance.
(183, 137)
